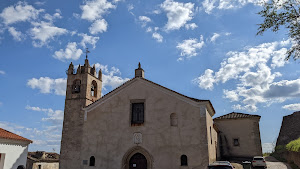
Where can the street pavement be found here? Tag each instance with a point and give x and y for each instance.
(272, 163)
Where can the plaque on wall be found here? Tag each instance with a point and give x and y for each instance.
(137, 138)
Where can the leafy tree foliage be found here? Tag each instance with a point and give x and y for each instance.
(283, 13)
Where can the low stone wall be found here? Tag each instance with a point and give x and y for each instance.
(293, 157)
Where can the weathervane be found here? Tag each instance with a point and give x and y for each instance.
(86, 52)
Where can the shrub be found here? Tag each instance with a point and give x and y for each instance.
(294, 145)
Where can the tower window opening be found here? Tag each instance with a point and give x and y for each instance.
(76, 86)
(94, 89)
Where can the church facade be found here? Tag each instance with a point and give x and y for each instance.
(139, 125)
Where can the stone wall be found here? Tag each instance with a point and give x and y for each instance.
(293, 157)
(290, 129)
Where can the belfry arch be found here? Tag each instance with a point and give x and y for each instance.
(133, 151)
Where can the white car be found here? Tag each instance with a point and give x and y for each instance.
(259, 161)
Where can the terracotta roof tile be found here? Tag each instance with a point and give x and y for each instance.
(9, 135)
(235, 115)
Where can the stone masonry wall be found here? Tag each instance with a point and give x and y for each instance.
(290, 129)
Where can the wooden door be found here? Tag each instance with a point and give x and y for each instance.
(138, 161)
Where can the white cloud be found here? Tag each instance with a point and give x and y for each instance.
(144, 20)
(99, 26)
(214, 37)
(86, 39)
(157, 37)
(268, 147)
(53, 116)
(210, 5)
(44, 31)
(191, 26)
(70, 53)
(48, 85)
(178, 14)
(206, 81)
(130, 7)
(51, 18)
(47, 136)
(149, 29)
(2, 72)
(94, 9)
(278, 60)
(17, 35)
(189, 47)
(231, 95)
(255, 78)
(110, 77)
(19, 13)
(294, 107)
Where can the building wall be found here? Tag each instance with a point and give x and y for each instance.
(212, 139)
(108, 134)
(290, 129)
(244, 129)
(45, 165)
(15, 153)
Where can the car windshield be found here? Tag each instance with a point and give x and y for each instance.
(219, 167)
(258, 158)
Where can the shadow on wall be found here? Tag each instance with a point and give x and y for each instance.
(19, 163)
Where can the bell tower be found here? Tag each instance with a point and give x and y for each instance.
(83, 88)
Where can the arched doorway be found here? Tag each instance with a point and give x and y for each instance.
(138, 161)
(138, 156)
(20, 167)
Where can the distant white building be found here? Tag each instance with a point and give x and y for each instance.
(13, 150)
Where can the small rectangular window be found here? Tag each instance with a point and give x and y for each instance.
(137, 114)
(236, 142)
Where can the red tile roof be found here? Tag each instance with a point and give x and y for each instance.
(9, 135)
(235, 115)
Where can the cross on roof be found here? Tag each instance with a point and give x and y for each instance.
(86, 52)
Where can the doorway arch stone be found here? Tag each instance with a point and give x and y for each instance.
(134, 150)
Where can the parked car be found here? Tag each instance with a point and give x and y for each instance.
(220, 165)
(259, 161)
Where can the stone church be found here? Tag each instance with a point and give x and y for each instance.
(138, 125)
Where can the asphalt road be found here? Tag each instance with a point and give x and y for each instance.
(272, 163)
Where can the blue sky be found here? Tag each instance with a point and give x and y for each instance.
(207, 49)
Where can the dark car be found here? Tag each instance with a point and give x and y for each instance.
(220, 165)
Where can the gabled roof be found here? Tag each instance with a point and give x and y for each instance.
(9, 135)
(124, 84)
(235, 115)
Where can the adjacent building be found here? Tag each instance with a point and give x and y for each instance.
(42, 160)
(239, 135)
(290, 129)
(13, 150)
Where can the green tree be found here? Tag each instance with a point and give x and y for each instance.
(283, 13)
